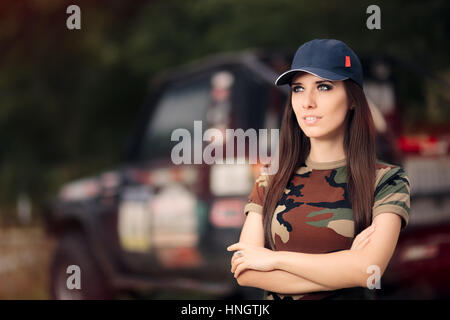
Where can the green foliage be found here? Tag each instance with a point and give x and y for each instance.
(70, 97)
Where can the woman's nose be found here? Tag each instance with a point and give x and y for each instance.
(309, 100)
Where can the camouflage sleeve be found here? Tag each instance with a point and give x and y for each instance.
(256, 197)
(392, 194)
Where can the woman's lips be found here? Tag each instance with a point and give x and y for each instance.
(311, 120)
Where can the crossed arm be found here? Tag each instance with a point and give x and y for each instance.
(295, 273)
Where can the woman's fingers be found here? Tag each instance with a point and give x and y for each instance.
(235, 246)
(236, 263)
(360, 238)
(241, 267)
(368, 230)
(236, 255)
(362, 244)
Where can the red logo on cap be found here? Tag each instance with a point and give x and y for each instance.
(347, 61)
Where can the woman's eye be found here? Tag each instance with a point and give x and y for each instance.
(297, 89)
(324, 87)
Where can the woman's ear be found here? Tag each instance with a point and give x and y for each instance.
(352, 105)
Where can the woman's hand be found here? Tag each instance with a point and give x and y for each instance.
(249, 256)
(258, 258)
(363, 238)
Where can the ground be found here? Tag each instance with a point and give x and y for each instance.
(25, 254)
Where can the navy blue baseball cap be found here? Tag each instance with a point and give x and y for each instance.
(329, 59)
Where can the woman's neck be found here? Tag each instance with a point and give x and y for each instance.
(326, 150)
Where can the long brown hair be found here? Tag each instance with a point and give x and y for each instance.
(359, 147)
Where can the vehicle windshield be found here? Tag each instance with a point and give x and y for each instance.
(179, 107)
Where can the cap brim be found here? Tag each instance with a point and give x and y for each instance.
(287, 76)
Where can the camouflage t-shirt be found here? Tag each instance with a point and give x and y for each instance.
(314, 215)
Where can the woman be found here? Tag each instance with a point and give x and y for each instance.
(298, 240)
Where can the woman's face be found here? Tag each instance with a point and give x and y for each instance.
(320, 106)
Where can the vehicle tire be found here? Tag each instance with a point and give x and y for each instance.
(73, 250)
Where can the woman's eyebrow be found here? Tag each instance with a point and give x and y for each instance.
(320, 81)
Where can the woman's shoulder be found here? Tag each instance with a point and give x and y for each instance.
(383, 164)
(386, 170)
